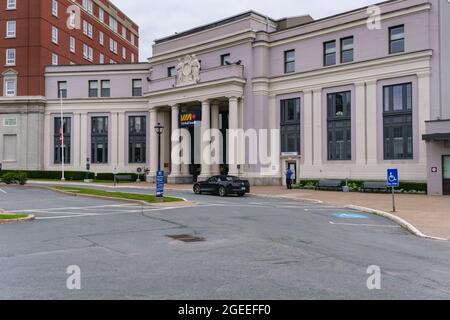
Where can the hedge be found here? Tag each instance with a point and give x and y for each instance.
(405, 186)
(70, 175)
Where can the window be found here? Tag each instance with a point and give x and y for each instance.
(289, 61)
(88, 6)
(132, 39)
(102, 58)
(397, 121)
(72, 20)
(99, 139)
(10, 87)
(339, 126)
(329, 53)
(54, 59)
(225, 59)
(101, 38)
(101, 14)
(66, 133)
(55, 8)
(106, 91)
(10, 122)
(124, 53)
(62, 89)
(10, 57)
(72, 44)
(290, 125)
(397, 39)
(171, 72)
(113, 46)
(93, 89)
(137, 87)
(132, 58)
(124, 32)
(137, 139)
(347, 50)
(54, 35)
(87, 29)
(113, 25)
(10, 29)
(11, 5)
(88, 53)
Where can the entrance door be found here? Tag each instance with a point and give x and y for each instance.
(446, 174)
(293, 167)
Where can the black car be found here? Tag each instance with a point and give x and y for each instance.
(223, 186)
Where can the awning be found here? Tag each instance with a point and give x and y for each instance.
(436, 137)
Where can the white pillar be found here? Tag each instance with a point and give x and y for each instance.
(76, 159)
(215, 125)
(424, 113)
(233, 124)
(308, 128)
(205, 140)
(176, 160)
(121, 135)
(83, 140)
(372, 122)
(153, 143)
(317, 130)
(360, 117)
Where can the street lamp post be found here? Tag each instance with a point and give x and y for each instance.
(159, 174)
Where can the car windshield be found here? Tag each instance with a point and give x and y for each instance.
(229, 178)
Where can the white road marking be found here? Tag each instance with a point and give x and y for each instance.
(3, 191)
(364, 225)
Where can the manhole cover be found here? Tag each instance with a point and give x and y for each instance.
(186, 238)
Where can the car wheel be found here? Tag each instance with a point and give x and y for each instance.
(222, 192)
(197, 189)
(241, 194)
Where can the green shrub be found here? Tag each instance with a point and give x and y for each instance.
(14, 177)
(414, 186)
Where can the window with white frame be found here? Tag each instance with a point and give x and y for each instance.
(113, 25)
(113, 45)
(54, 59)
(10, 85)
(73, 19)
(124, 32)
(54, 35)
(87, 29)
(124, 53)
(72, 44)
(10, 29)
(132, 39)
(11, 5)
(101, 14)
(132, 58)
(102, 58)
(10, 122)
(88, 52)
(10, 57)
(88, 6)
(55, 8)
(101, 38)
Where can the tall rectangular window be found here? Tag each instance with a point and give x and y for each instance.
(10, 57)
(106, 88)
(137, 134)
(397, 122)
(347, 50)
(10, 87)
(54, 59)
(339, 126)
(54, 34)
(72, 44)
(99, 139)
(10, 29)
(225, 59)
(88, 5)
(101, 38)
(171, 72)
(290, 125)
(55, 8)
(289, 61)
(397, 39)
(62, 89)
(93, 89)
(11, 5)
(66, 133)
(329, 53)
(137, 87)
(101, 14)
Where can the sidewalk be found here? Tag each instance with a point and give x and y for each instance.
(429, 214)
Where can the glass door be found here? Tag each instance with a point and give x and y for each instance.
(446, 174)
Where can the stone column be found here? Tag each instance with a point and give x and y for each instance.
(233, 124)
(123, 153)
(372, 122)
(76, 159)
(215, 169)
(318, 127)
(308, 128)
(360, 128)
(153, 121)
(176, 158)
(83, 137)
(205, 140)
(423, 113)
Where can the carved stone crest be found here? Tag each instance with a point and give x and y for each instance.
(188, 70)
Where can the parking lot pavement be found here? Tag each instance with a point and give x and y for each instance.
(222, 248)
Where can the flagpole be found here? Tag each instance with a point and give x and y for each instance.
(61, 132)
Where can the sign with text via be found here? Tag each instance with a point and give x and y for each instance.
(392, 178)
(160, 184)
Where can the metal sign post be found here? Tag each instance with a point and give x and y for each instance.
(393, 182)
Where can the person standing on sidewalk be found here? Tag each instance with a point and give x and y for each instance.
(289, 174)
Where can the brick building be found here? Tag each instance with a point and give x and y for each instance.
(38, 33)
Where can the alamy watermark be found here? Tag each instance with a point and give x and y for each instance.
(374, 280)
(73, 282)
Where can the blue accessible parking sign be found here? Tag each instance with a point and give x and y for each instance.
(392, 178)
(160, 184)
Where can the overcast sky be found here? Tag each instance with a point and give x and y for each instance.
(160, 18)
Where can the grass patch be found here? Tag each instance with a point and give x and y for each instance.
(12, 216)
(117, 195)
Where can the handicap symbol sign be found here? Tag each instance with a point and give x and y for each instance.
(392, 178)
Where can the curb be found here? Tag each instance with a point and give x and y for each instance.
(403, 223)
(28, 218)
(141, 202)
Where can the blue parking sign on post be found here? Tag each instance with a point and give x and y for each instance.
(393, 182)
(392, 178)
(160, 184)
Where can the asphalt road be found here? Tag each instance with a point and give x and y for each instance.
(253, 248)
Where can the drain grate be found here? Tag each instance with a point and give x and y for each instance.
(186, 238)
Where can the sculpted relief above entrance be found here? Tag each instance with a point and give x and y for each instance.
(188, 70)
